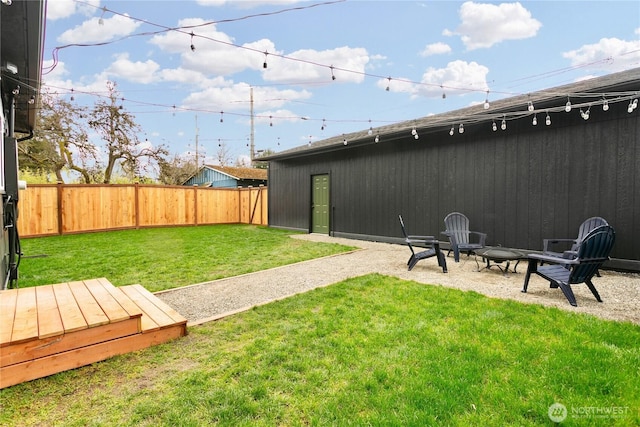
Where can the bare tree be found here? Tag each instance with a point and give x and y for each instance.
(176, 171)
(119, 131)
(223, 155)
(60, 141)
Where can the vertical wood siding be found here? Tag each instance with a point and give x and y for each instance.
(519, 186)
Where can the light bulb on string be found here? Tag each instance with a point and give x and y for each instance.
(530, 106)
(635, 103)
(101, 21)
(323, 124)
(377, 139)
(444, 95)
(535, 120)
(451, 132)
(344, 141)
(567, 106)
(605, 105)
(547, 120)
(414, 132)
(221, 114)
(461, 128)
(630, 107)
(270, 121)
(333, 77)
(486, 102)
(370, 131)
(193, 47)
(388, 83)
(264, 64)
(503, 125)
(494, 126)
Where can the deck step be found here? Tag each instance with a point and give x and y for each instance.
(53, 328)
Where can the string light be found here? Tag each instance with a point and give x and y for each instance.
(193, 48)
(414, 132)
(221, 114)
(323, 124)
(333, 77)
(605, 104)
(494, 126)
(548, 119)
(585, 114)
(388, 83)
(567, 106)
(503, 125)
(377, 139)
(264, 64)
(270, 121)
(486, 102)
(101, 21)
(444, 95)
(370, 131)
(535, 120)
(530, 106)
(451, 132)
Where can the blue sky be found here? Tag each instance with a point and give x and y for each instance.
(419, 50)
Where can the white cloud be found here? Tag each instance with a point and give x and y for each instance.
(304, 69)
(436, 49)
(483, 25)
(138, 72)
(276, 117)
(214, 53)
(608, 54)
(457, 78)
(236, 97)
(92, 32)
(59, 9)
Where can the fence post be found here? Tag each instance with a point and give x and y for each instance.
(59, 202)
(136, 206)
(195, 205)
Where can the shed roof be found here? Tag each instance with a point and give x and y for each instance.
(241, 173)
(616, 87)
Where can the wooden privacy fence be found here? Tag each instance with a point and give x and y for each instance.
(49, 209)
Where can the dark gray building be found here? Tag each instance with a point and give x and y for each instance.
(519, 185)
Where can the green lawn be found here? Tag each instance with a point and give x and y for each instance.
(163, 258)
(372, 350)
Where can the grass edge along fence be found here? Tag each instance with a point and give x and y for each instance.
(55, 209)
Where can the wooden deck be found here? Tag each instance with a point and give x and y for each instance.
(49, 329)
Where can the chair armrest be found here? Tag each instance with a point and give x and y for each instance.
(482, 237)
(421, 237)
(552, 259)
(547, 242)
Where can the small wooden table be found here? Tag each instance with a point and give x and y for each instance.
(498, 255)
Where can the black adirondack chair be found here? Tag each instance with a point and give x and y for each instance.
(429, 247)
(457, 229)
(561, 272)
(585, 228)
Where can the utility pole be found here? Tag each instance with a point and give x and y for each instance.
(252, 133)
(197, 165)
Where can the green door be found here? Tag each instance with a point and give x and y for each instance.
(320, 204)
